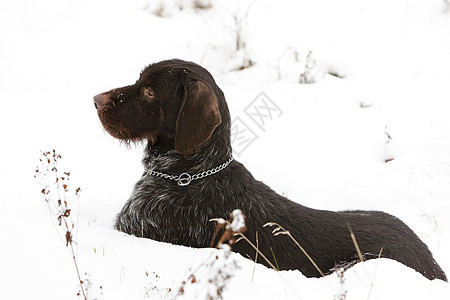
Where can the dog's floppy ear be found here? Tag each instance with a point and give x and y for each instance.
(199, 115)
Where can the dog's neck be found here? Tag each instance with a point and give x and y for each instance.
(161, 158)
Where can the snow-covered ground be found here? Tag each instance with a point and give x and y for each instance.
(326, 145)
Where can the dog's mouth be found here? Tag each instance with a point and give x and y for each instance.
(113, 126)
(122, 132)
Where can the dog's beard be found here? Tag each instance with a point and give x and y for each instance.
(120, 131)
(132, 143)
(138, 141)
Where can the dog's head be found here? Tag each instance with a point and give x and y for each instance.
(174, 102)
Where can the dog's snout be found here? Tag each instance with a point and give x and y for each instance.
(100, 100)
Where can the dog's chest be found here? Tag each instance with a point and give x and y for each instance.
(168, 215)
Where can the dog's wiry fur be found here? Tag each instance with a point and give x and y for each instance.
(162, 210)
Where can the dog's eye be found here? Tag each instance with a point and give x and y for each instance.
(148, 93)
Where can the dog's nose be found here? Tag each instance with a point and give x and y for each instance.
(100, 100)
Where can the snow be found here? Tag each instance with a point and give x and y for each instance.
(238, 223)
(326, 147)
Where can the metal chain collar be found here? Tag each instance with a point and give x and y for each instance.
(185, 178)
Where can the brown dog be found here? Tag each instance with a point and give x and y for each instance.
(191, 178)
